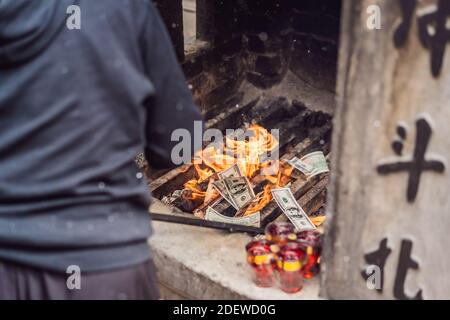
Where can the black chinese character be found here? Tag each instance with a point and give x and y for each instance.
(404, 263)
(378, 258)
(401, 34)
(418, 164)
(434, 33)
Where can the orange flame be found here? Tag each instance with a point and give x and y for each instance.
(280, 180)
(246, 153)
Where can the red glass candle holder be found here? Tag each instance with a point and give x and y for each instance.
(263, 262)
(280, 232)
(290, 262)
(311, 243)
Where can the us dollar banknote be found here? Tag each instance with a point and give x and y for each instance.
(231, 172)
(287, 203)
(318, 161)
(240, 190)
(301, 166)
(219, 185)
(312, 164)
(253, 220)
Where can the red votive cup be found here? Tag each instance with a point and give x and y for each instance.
(263, 262)
(290, 262)
(280, 232)
(311, 243)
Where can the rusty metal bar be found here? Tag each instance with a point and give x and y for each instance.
(232, 228)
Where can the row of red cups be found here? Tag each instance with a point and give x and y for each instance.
(284, 257)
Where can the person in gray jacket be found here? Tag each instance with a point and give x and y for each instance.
(76, 107)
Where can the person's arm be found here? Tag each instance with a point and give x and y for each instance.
(171, 107)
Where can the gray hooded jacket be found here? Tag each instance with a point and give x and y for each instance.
(76, 107)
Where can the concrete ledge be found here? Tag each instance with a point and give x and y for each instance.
(199, 263)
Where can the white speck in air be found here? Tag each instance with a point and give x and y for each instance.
(322, 142)
(64, 70)
(190, 87)
(101, 185)
(174, 25)
(139, 175)
(263, 36)
(179, 107)
(111, 219)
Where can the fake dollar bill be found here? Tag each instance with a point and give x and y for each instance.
(253, 220)
(239, 190)
(231, 172)
(287, 203)
(312, 164)
(318, 161)
(219, 185)
(301, 166)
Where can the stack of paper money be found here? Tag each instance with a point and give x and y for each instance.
(234, 187)
(287, 203)
(311, 165)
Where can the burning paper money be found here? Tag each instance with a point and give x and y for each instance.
(301, 166)
(234, 187)
(312, 164)
(232, 172)
(220, 187)
(239, 190)
(253, 220)
(287, 203)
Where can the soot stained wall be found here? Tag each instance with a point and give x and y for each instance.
(258, 41)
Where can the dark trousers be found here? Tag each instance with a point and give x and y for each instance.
(137, 282)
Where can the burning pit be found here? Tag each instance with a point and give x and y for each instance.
(258, 67)
(262, 158)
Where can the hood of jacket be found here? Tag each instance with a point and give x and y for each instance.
(27, 27)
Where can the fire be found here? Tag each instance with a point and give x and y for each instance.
(247, 154)
(280, 180)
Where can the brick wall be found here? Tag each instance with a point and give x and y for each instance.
(301, 36)
(258, 41)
